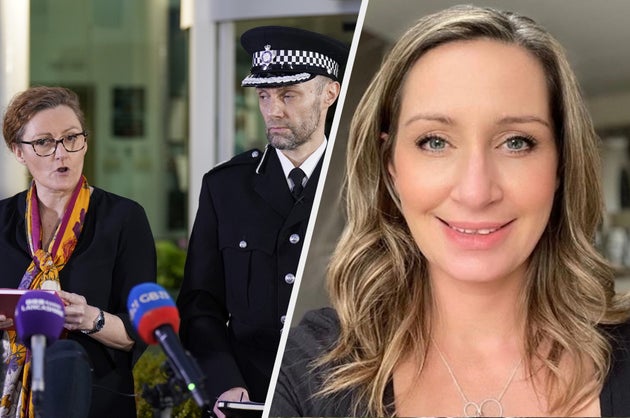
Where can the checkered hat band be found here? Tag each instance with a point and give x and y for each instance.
(294, 57)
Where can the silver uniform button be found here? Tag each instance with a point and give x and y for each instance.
(282, 319)
(243, 244)
(289, 278)
(255, 154)
(294, 238)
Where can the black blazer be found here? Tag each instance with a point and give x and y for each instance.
(115, 252)
(241, 264)
(318, 331)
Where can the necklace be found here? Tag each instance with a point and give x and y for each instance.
(476, 409)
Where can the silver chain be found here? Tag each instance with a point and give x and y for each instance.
(476, 409)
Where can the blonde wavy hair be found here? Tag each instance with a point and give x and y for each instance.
(377, 279)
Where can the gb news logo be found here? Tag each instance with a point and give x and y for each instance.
(148, 300)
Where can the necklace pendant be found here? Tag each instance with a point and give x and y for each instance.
(490, 407)
(471, 409)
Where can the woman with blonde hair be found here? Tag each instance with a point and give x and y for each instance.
(466, 282)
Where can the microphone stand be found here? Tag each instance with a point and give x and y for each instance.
(38, 347)
(164, 396)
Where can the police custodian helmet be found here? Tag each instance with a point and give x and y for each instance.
(283, 55)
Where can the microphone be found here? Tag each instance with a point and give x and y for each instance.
(69, 381)
(156, 318)
(39, 318)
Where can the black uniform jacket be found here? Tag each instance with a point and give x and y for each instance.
(115, 251)
(240, 268)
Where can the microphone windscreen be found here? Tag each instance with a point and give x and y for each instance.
(39, 312)
(68, 381)
(150, 306)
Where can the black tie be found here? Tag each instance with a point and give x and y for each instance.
(297, 176)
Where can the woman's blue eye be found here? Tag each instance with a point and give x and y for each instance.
(432, 143)
(519, 143)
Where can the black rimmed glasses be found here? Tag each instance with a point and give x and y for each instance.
(48, 146)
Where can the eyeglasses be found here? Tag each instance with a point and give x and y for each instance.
(48, 146)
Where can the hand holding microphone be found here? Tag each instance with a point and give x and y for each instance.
(155, 317)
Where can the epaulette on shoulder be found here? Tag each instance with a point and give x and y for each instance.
(252, 157)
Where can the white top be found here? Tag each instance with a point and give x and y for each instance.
(308, 166)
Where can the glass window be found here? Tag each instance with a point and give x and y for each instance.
(128, 62)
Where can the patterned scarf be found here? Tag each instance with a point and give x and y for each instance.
(42, 273)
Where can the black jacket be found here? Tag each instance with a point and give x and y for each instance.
(318, 332)
(115, 252)
(241, 264)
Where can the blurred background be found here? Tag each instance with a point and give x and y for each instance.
(159, 81)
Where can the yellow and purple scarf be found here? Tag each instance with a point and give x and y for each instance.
(42, 273)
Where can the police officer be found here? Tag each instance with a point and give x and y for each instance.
(253, 213)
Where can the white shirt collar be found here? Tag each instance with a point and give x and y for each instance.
(308, 166)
